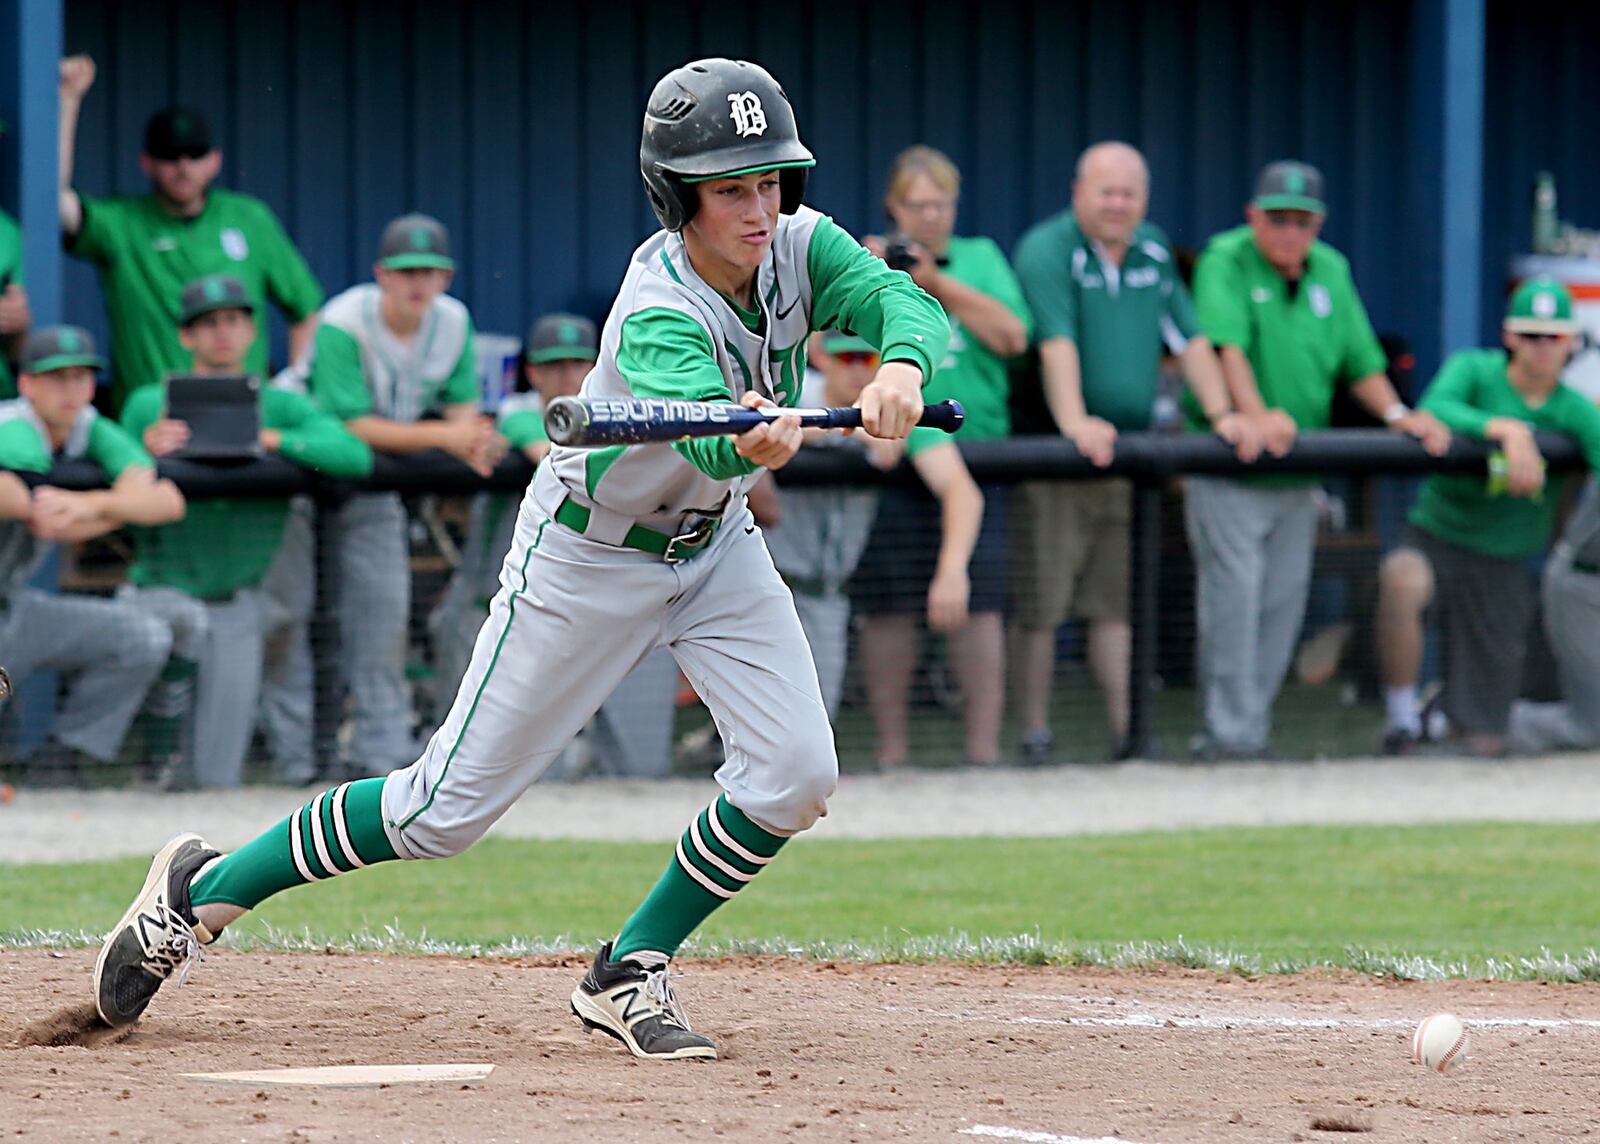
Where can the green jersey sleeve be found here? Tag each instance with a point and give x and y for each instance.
(113, 449)
(21, 448)
(461, 387)
(96, 239)
(1000, 282)
(337, 383)
(288, 279)
(142, 410)
(1220, 302)
(1450, 397)
(523, 429)
(1046, 284)
(1180, 307)
(1364, 354)
(854, 291)
(665, 353)
(311, 438)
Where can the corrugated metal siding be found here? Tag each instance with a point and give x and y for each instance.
(518, 125)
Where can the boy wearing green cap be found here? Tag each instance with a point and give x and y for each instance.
(1469, 539)
(204, 575)
(113, 652)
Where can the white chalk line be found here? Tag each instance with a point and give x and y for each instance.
(1000, 1132)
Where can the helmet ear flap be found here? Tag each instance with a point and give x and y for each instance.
(673, 200)
(792, 188)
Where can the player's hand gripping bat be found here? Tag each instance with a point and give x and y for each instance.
(637, 420)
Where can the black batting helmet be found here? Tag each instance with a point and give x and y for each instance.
(714, 118)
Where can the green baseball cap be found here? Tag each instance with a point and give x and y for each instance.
(1541, 306)
(415, 240)
(213, 292)
(561, 337)
(839, 342)
(1289, 185)
(60, 347)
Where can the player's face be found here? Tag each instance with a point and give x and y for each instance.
(732, 231)
(220, 340)
(412, 290)
(181, 183)
(1541, 356)
(1110, 196)
(847, 374)
(925, 213)
(59, 395)
(559, 378)
(1284, 237)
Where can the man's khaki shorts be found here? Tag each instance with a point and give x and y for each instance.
(1069, 551)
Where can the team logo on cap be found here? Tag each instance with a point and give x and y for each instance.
(421, 238)
(1544, 305)
(747, 114)
(68, 340)
(215, 290)
(1294, 182)
(569, 332)
(234, 244)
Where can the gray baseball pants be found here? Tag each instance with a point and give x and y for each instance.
(374, 610)
(826, 620)
(1572, 623)
(572, 618)
(114, 653)
(1252, 551)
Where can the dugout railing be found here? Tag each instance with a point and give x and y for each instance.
(1149, 461)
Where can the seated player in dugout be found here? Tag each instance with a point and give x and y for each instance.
(387, 356)
(204, 575)
(112, 653)
(1464, 556)
(619, 551)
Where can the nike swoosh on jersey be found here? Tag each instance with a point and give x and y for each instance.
(782, 314)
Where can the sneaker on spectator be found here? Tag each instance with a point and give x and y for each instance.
(1205, 749)
(1036, 749)
(1400, 741)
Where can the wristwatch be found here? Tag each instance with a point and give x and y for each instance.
(1396, 412)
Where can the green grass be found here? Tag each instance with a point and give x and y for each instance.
(1481, 899)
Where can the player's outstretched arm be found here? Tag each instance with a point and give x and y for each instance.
(961, 514)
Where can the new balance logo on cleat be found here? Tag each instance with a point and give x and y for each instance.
(638, 1007)
(157, 936)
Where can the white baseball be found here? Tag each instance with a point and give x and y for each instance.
(1440, 1042)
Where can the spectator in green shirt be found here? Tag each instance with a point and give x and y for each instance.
(15, 317)
(989, 323)
(1465, 553)
(204, 575)
(1106, 297)
(1283, 311)
(148, 246)
(110, 652)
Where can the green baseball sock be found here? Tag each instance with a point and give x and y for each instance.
(338, 831)
(717, 855)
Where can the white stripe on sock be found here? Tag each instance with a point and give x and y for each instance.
(705, 851)
(319, 835)
(703, 879)
(341, 832)
(729, 841)
(297, 848)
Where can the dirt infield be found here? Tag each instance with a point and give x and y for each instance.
(810, 1050)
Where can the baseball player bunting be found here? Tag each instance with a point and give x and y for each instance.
(651, 544)
(614, 421)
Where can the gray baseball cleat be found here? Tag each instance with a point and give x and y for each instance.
(158, 935)
(637, 1006)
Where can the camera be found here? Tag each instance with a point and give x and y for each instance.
(897, 252)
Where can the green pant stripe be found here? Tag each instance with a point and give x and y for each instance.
(511, 615)
(709, 846)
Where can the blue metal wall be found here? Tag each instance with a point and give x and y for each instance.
(517, 124)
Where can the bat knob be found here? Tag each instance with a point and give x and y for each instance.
(564, 421)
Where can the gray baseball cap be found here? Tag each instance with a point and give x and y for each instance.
(415, 240)
(1289, 185)
(561, 337)
(213, 292)
(60, 347)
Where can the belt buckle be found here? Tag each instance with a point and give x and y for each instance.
(686, 544)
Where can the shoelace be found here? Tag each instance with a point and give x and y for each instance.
(659, 987)
(179, 954)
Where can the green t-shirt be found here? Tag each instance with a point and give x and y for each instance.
(971, 372)
(146, 256)
(10, 271)
(223, 544)
(1470, 389)
(1119, 317)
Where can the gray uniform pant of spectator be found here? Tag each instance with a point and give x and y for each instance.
(228, 641)
(1572, 623)
(288, 676)
(826, 620)
(1252, 551)
(374, 609)
(112, 651)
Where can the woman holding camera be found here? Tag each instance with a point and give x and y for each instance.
(899, 579)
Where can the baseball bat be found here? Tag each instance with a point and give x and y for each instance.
(640, 420)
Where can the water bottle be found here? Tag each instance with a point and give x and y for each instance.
(1546, 227)
(1496, 486)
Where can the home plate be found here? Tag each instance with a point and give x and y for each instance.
(352, 1076)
